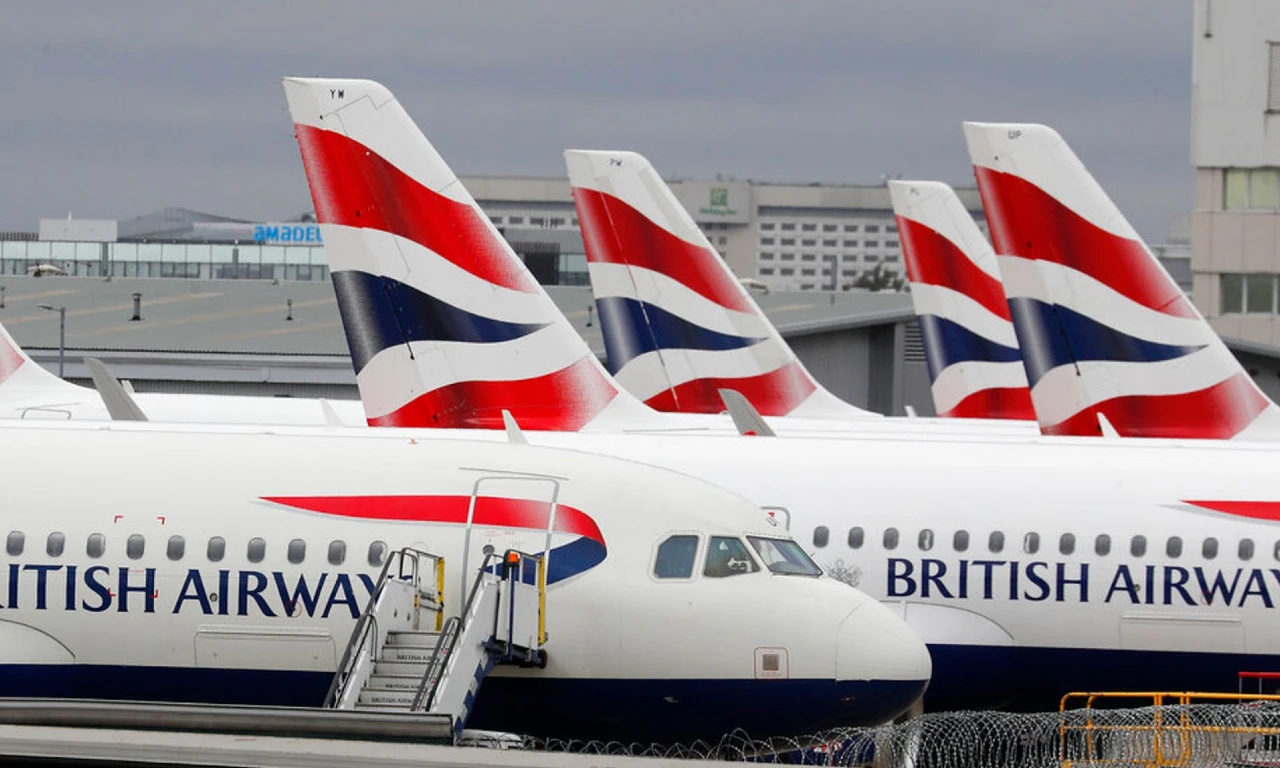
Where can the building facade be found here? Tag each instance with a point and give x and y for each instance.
(1235, 148)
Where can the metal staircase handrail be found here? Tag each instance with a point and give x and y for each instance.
(539, 583)
(360, 635)
(426, 693)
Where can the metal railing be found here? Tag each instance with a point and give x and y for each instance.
(1173, 736)
(366, 630)
(453, 628)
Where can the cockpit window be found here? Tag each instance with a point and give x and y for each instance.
(728, 557)
(675, 558)
(784, 556)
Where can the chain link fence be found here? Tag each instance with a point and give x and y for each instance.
(1191, 735)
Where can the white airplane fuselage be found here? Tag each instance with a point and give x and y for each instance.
(112, 584)
(1030, 617)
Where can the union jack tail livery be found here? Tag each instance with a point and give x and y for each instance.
(1104, 330)
(446, 326)
(970, 346)
(677, 324)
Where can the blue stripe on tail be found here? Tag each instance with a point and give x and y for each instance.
(947, 342)
(631, 328)
(379, 313)
(1052, 335)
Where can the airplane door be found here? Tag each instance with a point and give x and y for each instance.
(507, 513)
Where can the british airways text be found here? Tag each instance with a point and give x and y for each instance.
(1077, 582)
(224, 592)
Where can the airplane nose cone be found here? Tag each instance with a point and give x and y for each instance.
(875, 644)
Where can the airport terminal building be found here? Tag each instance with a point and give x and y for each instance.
(792, 237)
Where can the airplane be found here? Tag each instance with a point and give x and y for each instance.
(1105, 332)
(674, 609)
(678, 326)
(29, 392)
(901, 488)
(975, 366)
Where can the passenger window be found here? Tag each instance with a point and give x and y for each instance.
(1209, 549)
(1173, 547)
(890, 538)
(728, 557)
(925, 540)
(337, 552)
(176, 548)
(96, 545)
(54, 546)
(1031, 543)
(675, 558)
(377, 553)
(821, 536)
(217, 549)
(1067, 543)
(297, 551)
(1245, 549)
(14, 544)
(1102, 545)
(1138, 546)
(257, 550)
(960, 541)
(1276, 552)
(855, 538)
(995, 542)
(134, 546)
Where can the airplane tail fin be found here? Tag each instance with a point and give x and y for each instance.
(19, 372)
(446, 325)
(970, 346)
(1104, 329)
(677, 323)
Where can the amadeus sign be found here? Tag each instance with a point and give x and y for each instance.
(294, 234)
(727, 202)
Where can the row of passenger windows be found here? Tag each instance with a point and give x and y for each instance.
(175, 548)
(960, 542)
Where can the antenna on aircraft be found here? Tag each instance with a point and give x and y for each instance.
(745, 417)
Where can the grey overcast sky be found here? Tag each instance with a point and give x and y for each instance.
(116, 109)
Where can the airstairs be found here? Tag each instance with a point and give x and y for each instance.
(405, 656)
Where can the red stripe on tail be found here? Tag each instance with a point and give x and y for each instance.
(615, 233)
(776, 393)
(1026, 221)
(10, 358)
(562, 401)
(353, 186)
(934, 260)
(1002, 403)
(1219, 412)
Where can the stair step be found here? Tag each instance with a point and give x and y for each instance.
(386, 699)
(417, 639)
(394, 682)
(408, 654)
(400, 668)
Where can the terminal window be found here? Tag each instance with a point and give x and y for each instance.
(1255, 189)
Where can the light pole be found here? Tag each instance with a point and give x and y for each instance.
(62, 334)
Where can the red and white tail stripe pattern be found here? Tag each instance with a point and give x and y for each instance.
(1104, 329)
(446, 326)
(969, 341)
(11, 357)
(677, 324)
